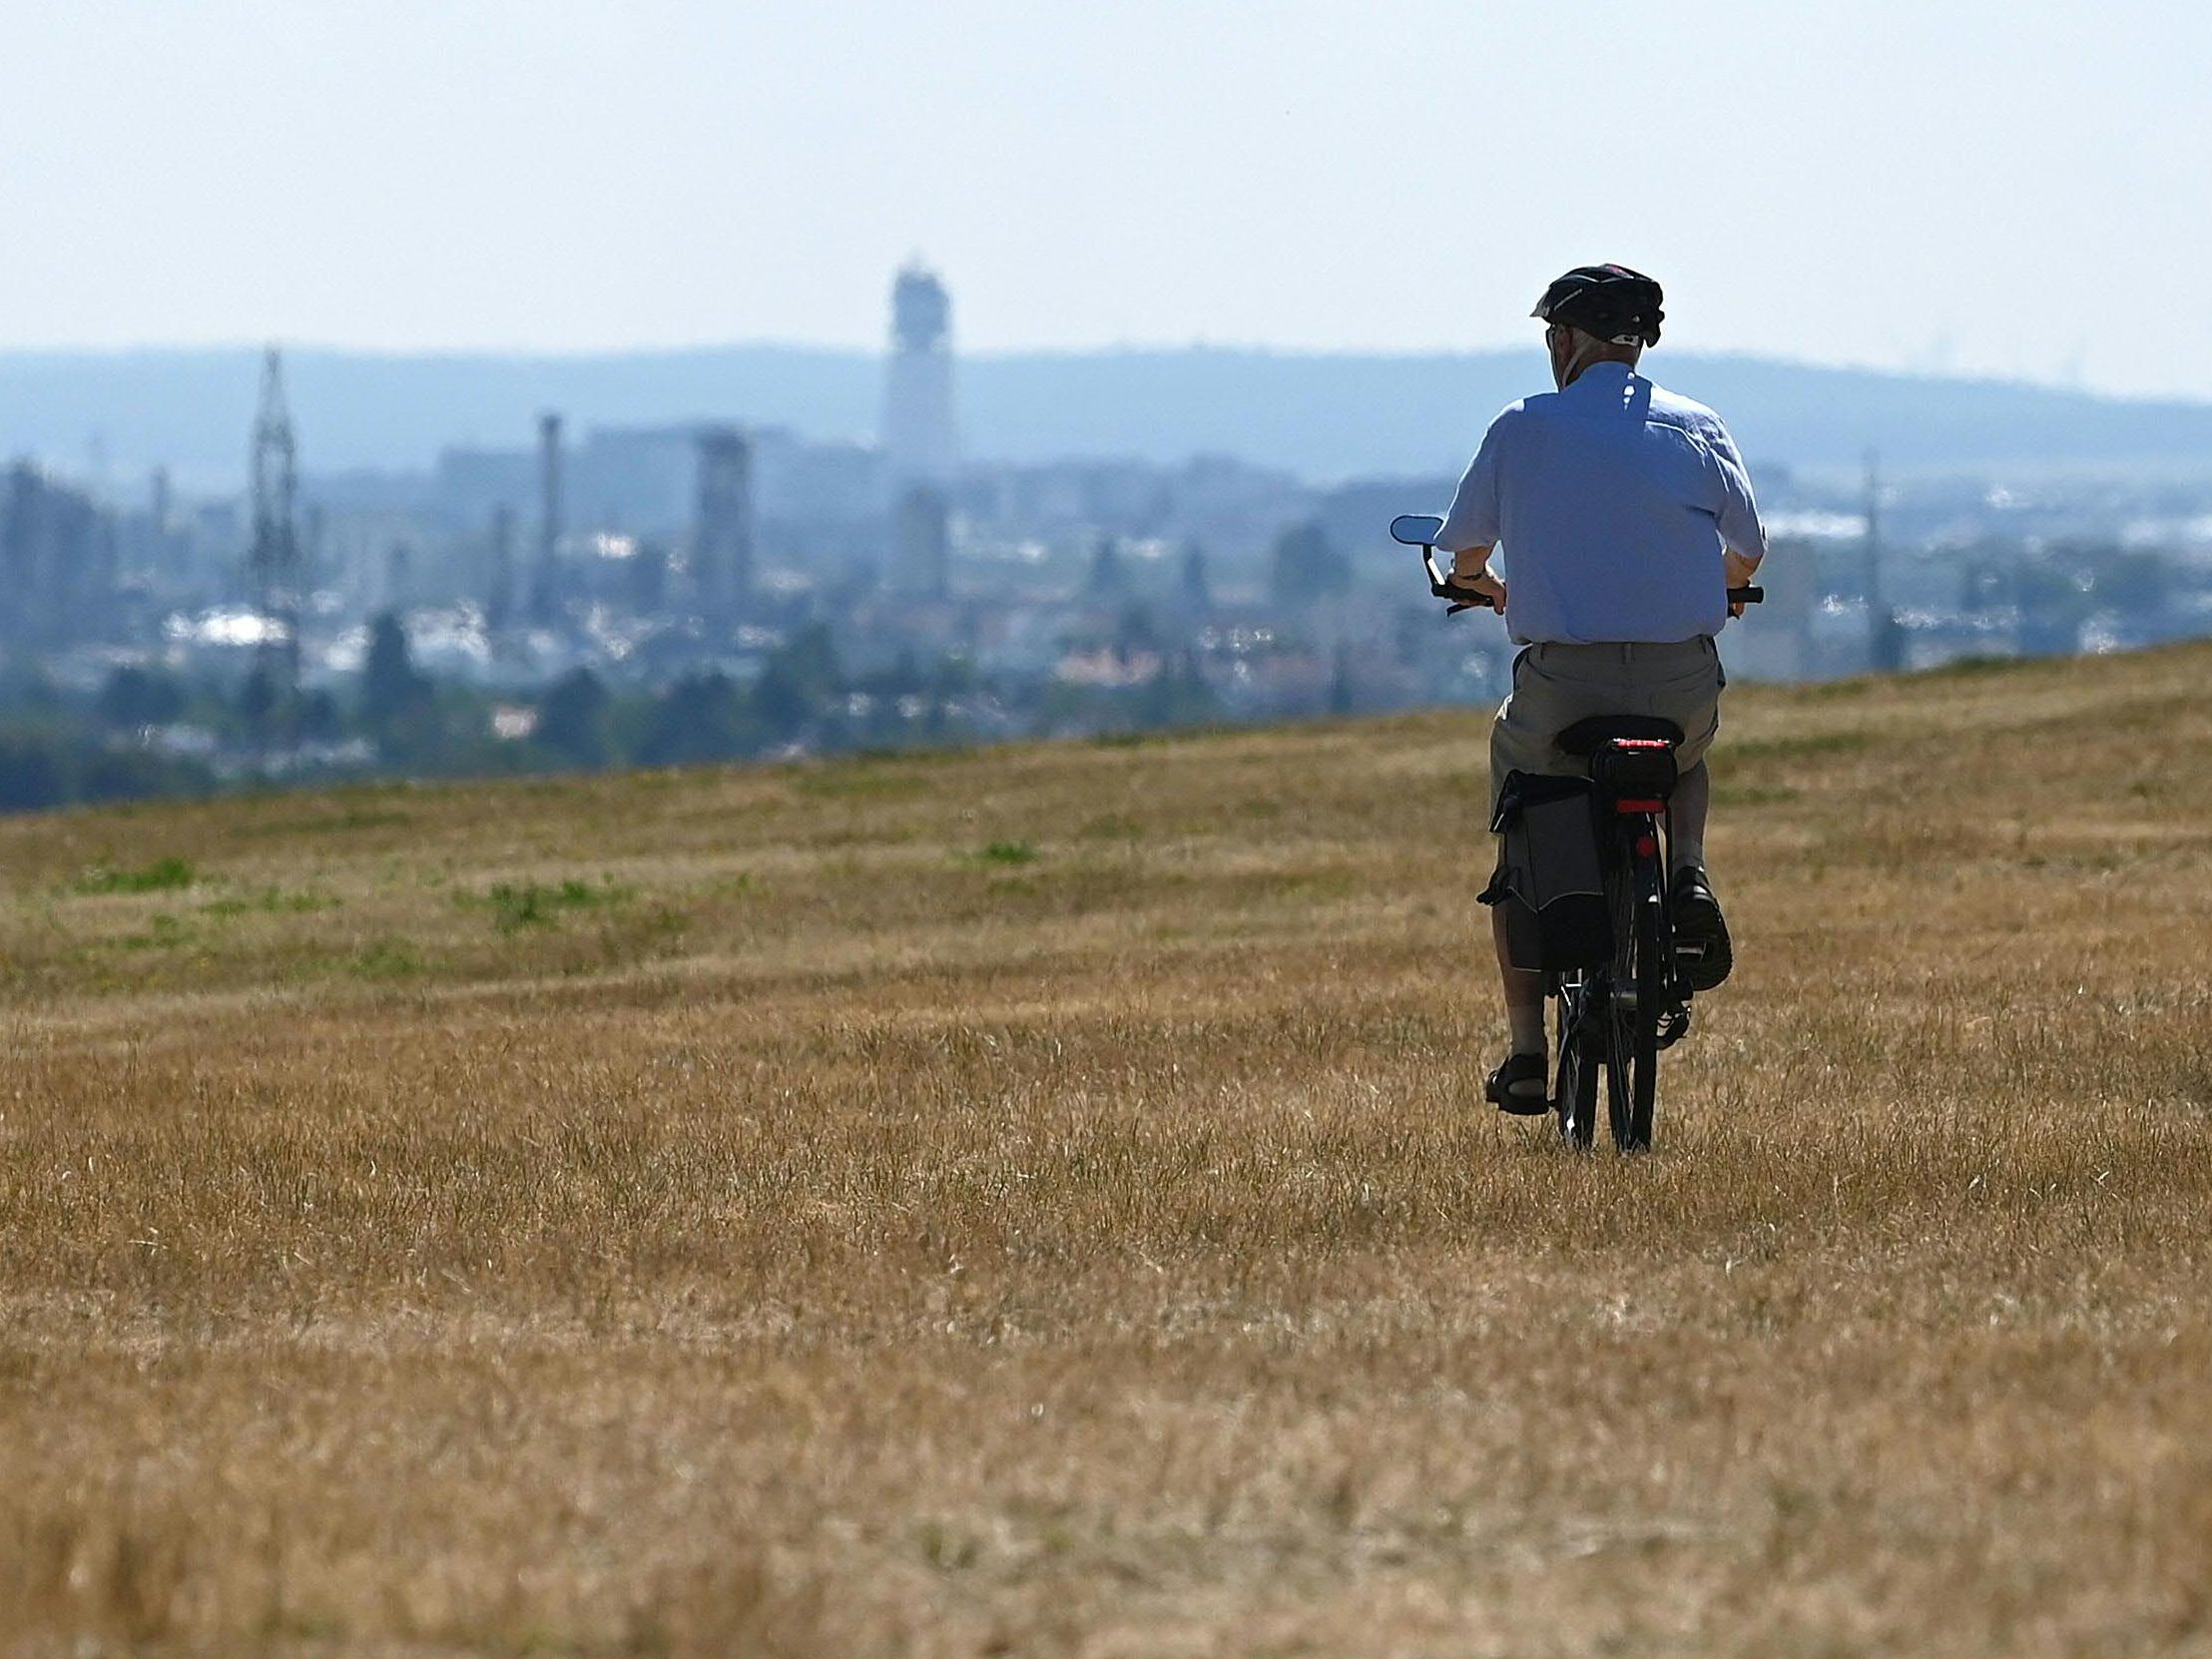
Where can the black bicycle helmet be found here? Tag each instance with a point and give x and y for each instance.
(1613, 302)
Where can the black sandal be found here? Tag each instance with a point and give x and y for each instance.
(1505, 1090)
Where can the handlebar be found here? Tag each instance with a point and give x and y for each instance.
(1443, 589)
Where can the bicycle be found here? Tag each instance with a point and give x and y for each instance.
(1613, 1017)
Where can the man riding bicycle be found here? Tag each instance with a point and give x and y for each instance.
(1626, 515)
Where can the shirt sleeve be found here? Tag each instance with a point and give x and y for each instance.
(1474, 519)
(1740, 526)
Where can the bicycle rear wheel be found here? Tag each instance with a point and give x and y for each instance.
(1640, 981)
(1574, 1096)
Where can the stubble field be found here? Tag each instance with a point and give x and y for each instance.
(1040, 1201)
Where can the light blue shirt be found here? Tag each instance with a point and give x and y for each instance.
(1610, 503)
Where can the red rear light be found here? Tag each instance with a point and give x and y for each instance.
(1639, 805)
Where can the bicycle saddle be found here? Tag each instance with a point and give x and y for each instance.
(1586, 736)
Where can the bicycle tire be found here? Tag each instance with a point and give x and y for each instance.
(1574, 1096)
(1632, 1027)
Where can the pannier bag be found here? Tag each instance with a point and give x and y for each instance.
(1547, 875)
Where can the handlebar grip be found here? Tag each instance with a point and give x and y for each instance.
(1473, 601)
(1746, 596)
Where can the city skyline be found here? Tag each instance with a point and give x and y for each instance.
(1976, 188)
(744, 590)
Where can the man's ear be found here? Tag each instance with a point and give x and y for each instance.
(1564, 354)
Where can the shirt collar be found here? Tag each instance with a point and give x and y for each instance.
(1606, 376)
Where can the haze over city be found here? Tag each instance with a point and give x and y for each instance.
(793, 866)
(1977, 187)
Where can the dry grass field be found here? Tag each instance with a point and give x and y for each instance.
(1039, 1202)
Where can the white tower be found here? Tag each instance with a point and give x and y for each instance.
(919, 442)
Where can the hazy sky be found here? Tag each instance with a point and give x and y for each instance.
(2016, 188)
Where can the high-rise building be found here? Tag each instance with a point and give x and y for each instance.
(919, 443)
(545, 594)
(1194, 593)
(1884, 634)
(52, 559)
(499, 586)
(721, 537)
(923, 543)
(273, 558)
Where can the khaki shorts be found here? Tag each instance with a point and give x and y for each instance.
(1556, 685)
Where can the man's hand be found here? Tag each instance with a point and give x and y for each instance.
(1470, 571)
(1482, 590)
(1739, 571)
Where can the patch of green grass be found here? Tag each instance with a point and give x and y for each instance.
(163, 933)
(519, 904)
(1007, 853)
(161, 875)
(387, 959)
(270, 902)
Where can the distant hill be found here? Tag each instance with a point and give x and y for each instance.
(1326, 416)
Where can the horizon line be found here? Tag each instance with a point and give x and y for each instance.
(1124, 349)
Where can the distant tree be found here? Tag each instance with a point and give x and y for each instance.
(904, 678)
(954, 675)
(572, 717)
(1134, 630)
(1344, 693)
(258, 703)
(799, 682)
(1195, 592)
(137, 774)
(320, 719)
(391, 688)
(1308, 565)
(1108, 579)
(133, 696)
(1178, 696)
(34, 770)
(700, 718)
(398, 704)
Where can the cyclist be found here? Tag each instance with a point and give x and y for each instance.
(1626, 514)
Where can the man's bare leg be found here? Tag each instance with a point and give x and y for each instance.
(1693, 800)
(1524, 992)
(1699, 931)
